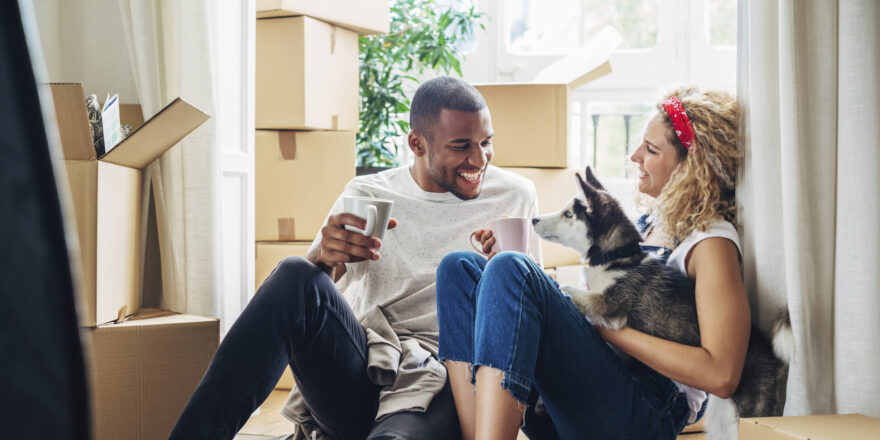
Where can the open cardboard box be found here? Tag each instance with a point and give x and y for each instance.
(106, 195)
(307, 75)
(362, 16)
(531, 119)
(822, 427)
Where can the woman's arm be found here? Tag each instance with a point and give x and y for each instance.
(724, 318)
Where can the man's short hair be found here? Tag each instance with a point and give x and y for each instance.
(439, 93)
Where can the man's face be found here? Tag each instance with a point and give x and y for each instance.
(460, 151)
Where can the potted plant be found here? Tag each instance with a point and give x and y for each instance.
(424, 37)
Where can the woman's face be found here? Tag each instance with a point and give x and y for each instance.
(656, 158)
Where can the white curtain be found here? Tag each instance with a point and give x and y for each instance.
(809, 199)
(173, 53)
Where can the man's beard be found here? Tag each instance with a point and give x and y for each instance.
(451, 186)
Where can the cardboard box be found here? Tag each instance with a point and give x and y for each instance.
(106, 195)
(144, 371)
(362, 16)
(824, 427)
(531, 119)
(269, 254)
(299, 174)
(307, 75)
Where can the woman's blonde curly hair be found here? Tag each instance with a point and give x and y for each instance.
(700, 189)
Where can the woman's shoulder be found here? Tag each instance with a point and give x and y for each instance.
(718, 228)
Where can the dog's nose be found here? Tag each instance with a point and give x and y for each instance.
(535, 221)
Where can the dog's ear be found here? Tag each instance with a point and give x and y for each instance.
(587, 192)
(591, 178)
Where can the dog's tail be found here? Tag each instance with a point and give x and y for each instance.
(783, 337)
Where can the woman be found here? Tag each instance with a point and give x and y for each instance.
(505, 324)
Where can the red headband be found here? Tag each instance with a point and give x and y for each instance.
(680, 122)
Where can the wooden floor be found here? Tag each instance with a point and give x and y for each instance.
(270, 423)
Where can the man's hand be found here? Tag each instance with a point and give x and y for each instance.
(484, 236)
(339, 245)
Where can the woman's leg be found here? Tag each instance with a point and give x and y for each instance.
(528, 329)
(499, 415)
(457, 277)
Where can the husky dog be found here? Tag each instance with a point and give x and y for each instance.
(628, 287)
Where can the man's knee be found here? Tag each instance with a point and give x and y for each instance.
(297, 271)
(295, 277)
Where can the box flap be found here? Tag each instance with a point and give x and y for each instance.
(131, 115)
(73, 121)
(157, 135)
(584, 65)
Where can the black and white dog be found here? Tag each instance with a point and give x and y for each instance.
(628, 287)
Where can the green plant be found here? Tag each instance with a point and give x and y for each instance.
(424, 37)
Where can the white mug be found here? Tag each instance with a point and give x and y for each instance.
(510, 233)
(377, 213)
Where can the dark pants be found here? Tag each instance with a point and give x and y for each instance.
(298, 317)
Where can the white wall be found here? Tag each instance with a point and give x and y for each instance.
(83, 42)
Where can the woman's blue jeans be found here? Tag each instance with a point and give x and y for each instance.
(508, 314)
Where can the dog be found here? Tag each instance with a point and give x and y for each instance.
(629, 287)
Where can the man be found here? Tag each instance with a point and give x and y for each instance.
(368, 369)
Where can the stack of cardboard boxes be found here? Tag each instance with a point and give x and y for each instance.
(306, 118)
(143, 364)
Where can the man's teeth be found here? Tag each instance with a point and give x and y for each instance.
(470, 176)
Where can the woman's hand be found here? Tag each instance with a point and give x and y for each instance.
(484, 236)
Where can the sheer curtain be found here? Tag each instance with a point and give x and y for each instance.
(173, 52)
(809, 199)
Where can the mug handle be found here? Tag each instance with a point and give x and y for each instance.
(371, 220)
(476, 246)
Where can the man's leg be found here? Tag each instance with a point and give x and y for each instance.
(296, 317)
(439, 422)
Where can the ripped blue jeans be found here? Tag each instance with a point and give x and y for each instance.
(508, 314)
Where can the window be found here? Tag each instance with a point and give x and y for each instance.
(559, 26)
(664, 42)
